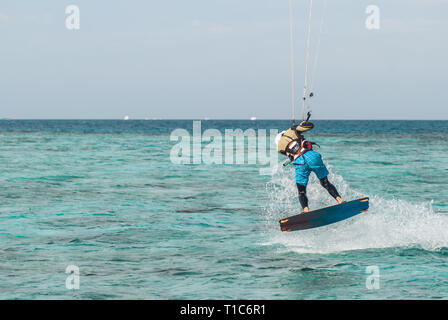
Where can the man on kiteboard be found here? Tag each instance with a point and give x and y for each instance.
(300, 151)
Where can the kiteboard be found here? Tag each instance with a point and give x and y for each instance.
(325, 216)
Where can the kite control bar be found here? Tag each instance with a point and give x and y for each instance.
(308, 116)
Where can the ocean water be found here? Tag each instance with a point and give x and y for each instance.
(104, 196)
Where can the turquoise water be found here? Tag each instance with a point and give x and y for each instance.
(104, 196)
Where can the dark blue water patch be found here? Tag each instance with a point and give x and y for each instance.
(307, 269)
(45, 178)
(167, 126)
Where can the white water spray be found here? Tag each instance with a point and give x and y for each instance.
(388, 223)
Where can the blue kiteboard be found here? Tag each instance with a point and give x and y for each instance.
(324, 216)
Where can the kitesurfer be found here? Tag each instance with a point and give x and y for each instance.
(305, 160)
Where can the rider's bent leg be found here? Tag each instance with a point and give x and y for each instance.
(331, 189)
(302, 196)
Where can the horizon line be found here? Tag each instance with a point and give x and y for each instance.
(203, 119)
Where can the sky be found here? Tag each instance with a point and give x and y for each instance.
(221, 59)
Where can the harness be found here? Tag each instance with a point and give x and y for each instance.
(300, 147)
